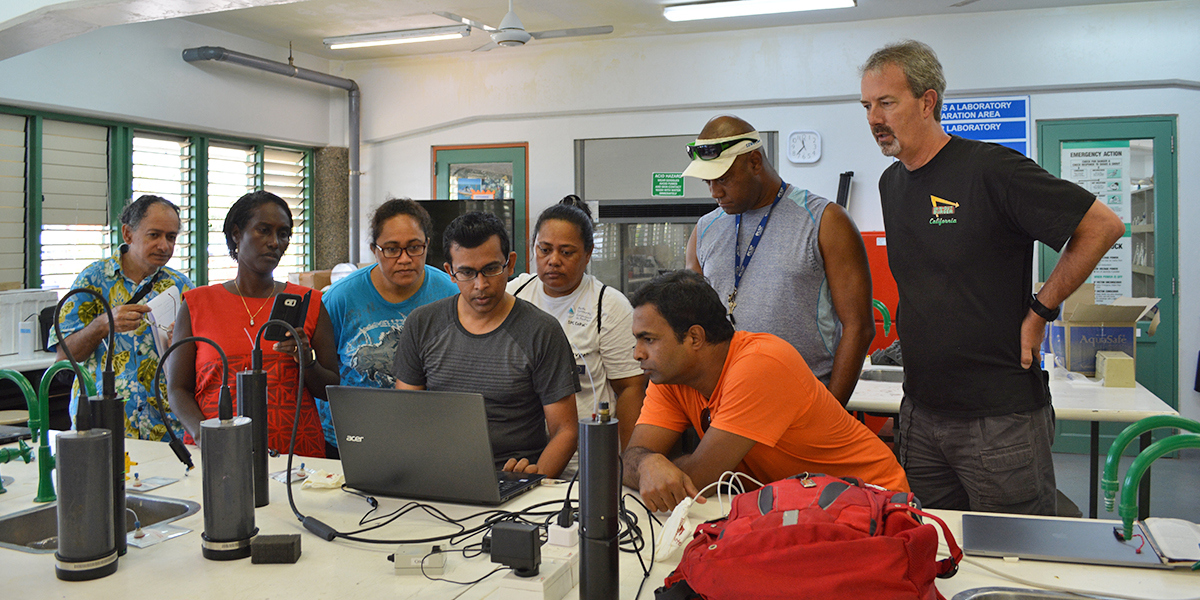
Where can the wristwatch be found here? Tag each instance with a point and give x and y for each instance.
(312, 357)
(1040, 309)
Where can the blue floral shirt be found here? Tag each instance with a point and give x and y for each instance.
(136, 358)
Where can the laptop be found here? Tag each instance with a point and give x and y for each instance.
(420, 444)
(1087, 541)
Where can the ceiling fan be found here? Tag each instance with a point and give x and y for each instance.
(511, 31)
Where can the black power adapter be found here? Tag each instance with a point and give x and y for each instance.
(517, 545)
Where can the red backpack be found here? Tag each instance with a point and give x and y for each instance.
(815, 536)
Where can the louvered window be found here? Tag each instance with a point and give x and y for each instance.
(74, 200)
(12, 200)
(162, 166)
(285, 174)
(230, 176)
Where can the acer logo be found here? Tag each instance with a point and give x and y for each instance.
(354, 438)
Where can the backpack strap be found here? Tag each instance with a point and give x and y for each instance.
(526, 284)
(600, 306)
(947, 567)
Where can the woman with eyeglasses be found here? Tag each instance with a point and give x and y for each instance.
(597, 319)
(368, 307)
(257, 229)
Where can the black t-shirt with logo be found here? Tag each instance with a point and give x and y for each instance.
(960, 233)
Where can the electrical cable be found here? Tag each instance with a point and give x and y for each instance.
(83, 413)
(176, 444)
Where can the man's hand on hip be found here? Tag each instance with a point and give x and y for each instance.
(1033, 330)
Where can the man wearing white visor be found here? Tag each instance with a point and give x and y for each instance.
(765, 249)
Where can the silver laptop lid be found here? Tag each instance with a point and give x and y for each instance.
(415, 444)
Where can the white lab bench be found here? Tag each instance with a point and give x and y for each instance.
(1073, 399)
(345, 570)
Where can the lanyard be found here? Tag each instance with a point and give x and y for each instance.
(740, 264)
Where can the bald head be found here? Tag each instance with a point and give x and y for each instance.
(724, 126)
(750, 181)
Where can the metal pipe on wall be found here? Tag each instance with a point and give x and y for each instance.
(218, 53)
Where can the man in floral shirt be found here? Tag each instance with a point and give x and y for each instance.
(149, 227)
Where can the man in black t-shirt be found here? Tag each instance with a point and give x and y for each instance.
(962, 217)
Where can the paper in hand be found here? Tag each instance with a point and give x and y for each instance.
(163, 309)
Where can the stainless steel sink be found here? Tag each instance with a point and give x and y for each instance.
(36, 529)
(896, 376)
(1005, 593)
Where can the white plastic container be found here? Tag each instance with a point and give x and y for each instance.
(15, 307)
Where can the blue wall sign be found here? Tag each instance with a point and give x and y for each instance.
(1002, 120)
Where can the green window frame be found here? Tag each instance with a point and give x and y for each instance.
(263, 173)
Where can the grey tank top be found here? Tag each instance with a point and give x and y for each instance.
(784, 291)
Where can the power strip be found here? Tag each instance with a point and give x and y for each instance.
(569, 555)
(552, 582)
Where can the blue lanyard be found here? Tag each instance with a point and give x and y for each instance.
(739, 263)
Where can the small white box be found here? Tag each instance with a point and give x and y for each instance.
(419, 560)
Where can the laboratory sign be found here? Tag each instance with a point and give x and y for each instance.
(1001, 120)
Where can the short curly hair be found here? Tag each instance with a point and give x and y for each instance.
(239, 215)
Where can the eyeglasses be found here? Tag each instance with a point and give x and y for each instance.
(712, 151)
(467, 274)
(412, 251)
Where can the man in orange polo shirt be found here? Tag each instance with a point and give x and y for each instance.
(754, 401)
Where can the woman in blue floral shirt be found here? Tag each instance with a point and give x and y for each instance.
(149, 227)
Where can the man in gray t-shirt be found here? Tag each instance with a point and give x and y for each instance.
(486, 341)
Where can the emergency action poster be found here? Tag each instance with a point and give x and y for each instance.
(1103, 169)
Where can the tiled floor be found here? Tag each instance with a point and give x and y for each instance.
(1174, 484)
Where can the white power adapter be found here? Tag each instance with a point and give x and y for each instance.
(410, 559)
(675, 531)
(552, 582)
(563, 536)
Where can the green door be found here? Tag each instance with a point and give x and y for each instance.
(1145, 197)
(484, 174)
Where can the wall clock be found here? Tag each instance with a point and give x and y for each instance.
(804, 146)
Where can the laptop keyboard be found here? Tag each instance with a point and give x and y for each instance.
(507, 484)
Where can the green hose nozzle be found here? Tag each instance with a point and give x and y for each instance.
(1109, 482)
(1128, 508)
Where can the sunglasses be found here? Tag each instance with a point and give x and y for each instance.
(705, 420)
(712, 151)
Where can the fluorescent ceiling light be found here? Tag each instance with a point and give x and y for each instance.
(406, 36)
(744, 8)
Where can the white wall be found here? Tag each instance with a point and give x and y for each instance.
(137, 73)
(782, 79)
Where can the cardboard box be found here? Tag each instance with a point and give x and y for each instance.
(316, 280)
(1085, 328)
(1116, 369)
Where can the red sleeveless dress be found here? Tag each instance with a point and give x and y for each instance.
(218, 315)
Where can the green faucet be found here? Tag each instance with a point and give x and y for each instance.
(1133, 477)
(31, 402)
(45, 460)
(1109, 482)
(23, 452)
(887, 316)
(39, 421)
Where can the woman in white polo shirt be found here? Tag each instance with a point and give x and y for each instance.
(597, 319)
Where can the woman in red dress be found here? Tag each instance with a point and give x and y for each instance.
(257, 230)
